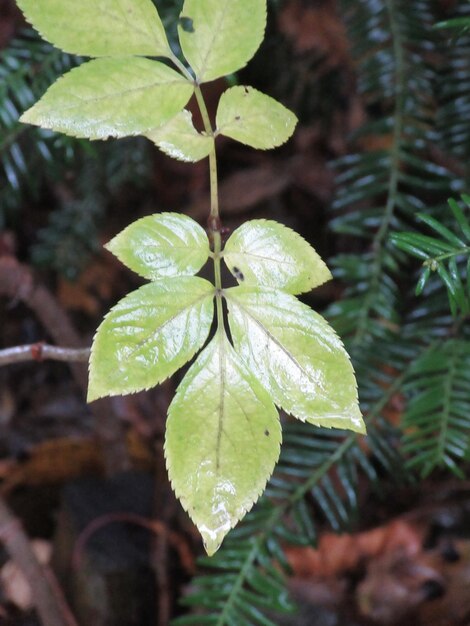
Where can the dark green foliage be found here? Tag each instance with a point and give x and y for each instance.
(437, 418)
(413, 80)
(71, 236)
(28, 156)
(316, 477)
(445, 253)
(32, 159)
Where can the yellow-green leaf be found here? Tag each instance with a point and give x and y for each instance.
(222, 441)
(149, 335)
(180, 140)
(266, 253)
(113, 97)
(161, 245)
(296, 355)
(251, 117)
(99, 28)
(219, 37)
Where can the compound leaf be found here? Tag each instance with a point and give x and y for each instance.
(266, 253)
(111, 97)
(219, 37)
(180, 140)
(149, 335)
(251, 117)
(222, 441)
(296, 355)
(161, 245)
(104, 28)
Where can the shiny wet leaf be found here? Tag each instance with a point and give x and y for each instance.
(222, 441)
(180, 140)
(219, 37)
(161, 245)
(104, 28)
(149, 335)
(251, 117)
(113, 97)
(266, 253)
(296, 355)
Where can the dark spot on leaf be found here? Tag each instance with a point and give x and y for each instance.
(238, 274)
(186, 24)
(238, 118)
(247, 91)
(266, 432)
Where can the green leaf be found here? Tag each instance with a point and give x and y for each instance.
(251, 117)
(224, 35)
(441, 230)
(149, 335)
(462, 221)
(104, 28)
(111, 97)
(222, 441)
(266, 253)
(180, 140)
(161, 245)
(296, 355)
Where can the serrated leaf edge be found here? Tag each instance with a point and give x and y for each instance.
(93, 397)
(246, 508)
(224, 254)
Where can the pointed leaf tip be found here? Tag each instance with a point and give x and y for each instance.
(162, 245)
(266, 253)
(149, 335)
(222, 441)
(179, 139)
(296, 355)
(253, 118)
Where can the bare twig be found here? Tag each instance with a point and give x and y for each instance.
(41, 352)
(47, 595)
(18, 283)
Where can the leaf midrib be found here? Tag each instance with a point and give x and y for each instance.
(168, 321)
(274, 339)
(125, 92)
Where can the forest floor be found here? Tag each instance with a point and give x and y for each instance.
(89, 484)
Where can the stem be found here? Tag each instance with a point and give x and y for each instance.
(186, 73)
(18, 283)
(214, 214)
(442, 257)
(40, 352)
(214, 222)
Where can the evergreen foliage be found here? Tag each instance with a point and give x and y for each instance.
(391, 202)
(30, 158)
(27, 67)
(401, 346)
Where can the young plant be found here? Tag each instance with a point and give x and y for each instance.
(223, 435)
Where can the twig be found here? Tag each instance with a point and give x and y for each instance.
(18, 283)
(42, 351)
(47, 596)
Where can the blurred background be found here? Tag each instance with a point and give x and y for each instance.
(383, 101)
